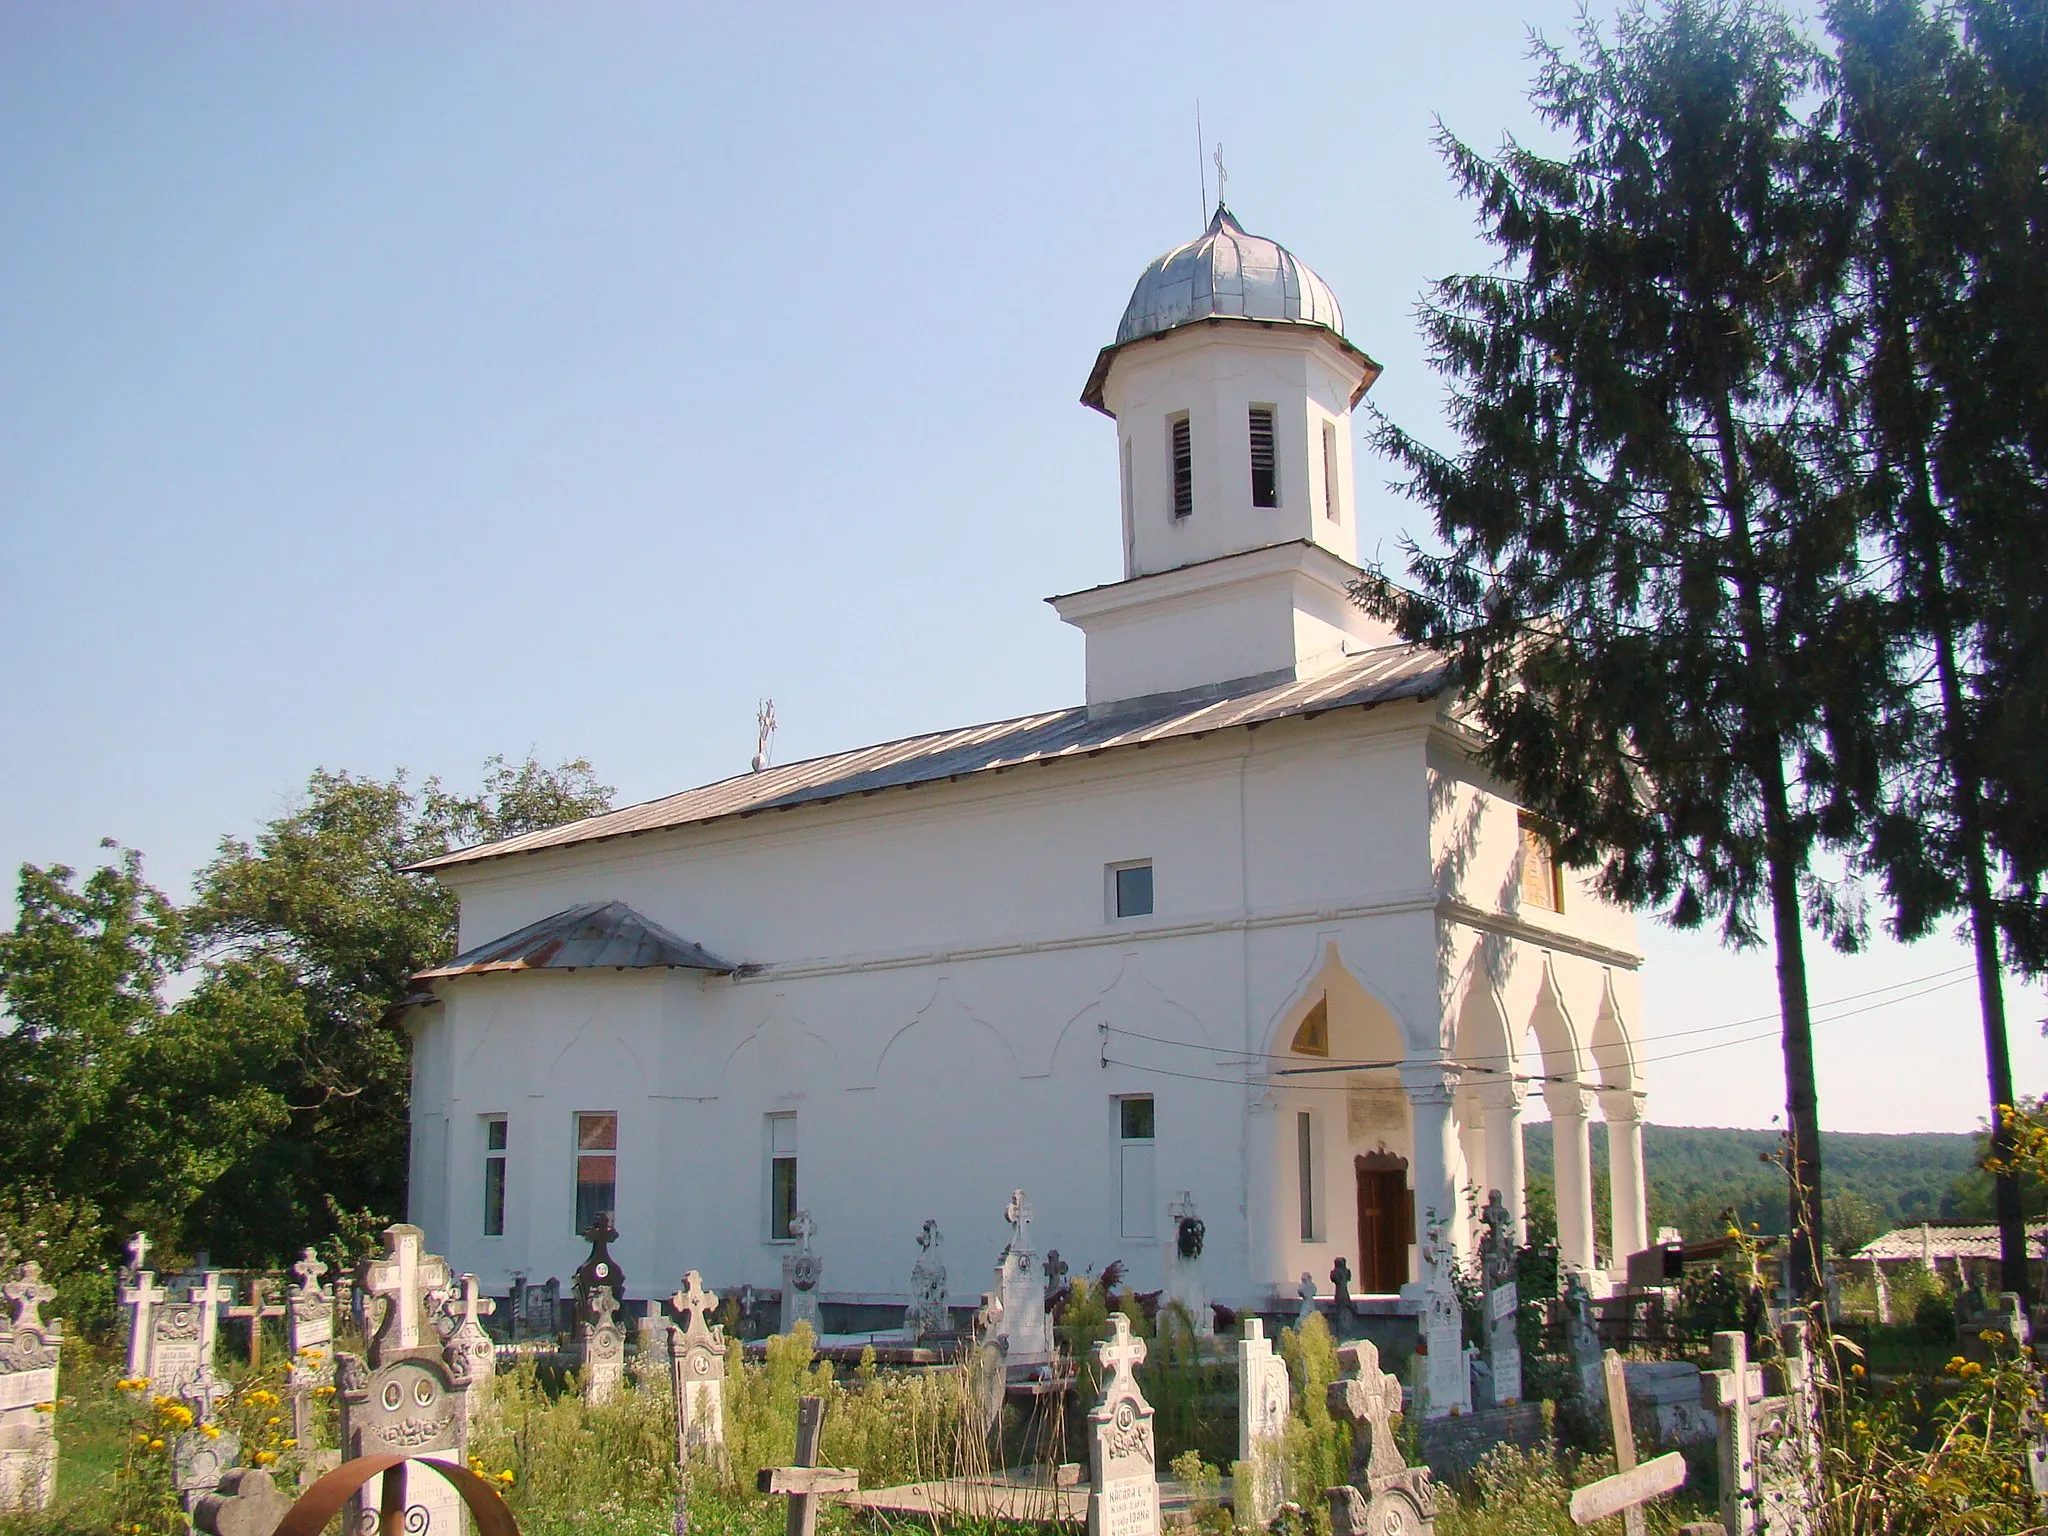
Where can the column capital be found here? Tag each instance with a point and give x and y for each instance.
(1430, 1082)
(1622, 1104)
(1568, 1099)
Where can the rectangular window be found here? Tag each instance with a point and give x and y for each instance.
(1130, 889)
(1181, 450)
(1305, 1154)
(1135, 1164)
(1542, 880)
(597, 1166)
(1330, 482)
(1265, 468)
(781, 1176)
(494, 1175)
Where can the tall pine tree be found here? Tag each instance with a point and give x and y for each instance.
(1649, 587)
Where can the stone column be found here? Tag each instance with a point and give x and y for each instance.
(1474, 1150)
(1270, 1199)
(1505, 1168)
(1625, 1174)
(1434, 1166)
(1574, 1158)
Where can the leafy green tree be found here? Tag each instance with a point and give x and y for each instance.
(317, 913)
(111, 1101)
(1942, 418)
(1648, 590)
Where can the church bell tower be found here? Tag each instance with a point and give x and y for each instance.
(1231, 384)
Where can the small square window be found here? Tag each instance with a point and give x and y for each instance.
(1131, 889)
(1135, 1117)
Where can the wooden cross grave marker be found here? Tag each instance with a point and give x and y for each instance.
(1632, 1486)
(804, 1482)
(255, 1311)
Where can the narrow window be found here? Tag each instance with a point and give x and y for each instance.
(1330, 502)
(1265, 470)
(1182, 451)
(781, 1176)
(1542, 880)
(1135, 1159)
(1130, 889)
(494, 1176)
(597, 1166)
(1305, 1156)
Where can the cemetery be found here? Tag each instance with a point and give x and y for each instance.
(1061, 1406)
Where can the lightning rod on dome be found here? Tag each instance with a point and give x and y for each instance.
(1201, 170)
(764, 721)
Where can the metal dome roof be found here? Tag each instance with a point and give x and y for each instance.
(1227, 272)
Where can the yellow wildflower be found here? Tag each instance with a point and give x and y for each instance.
(156, 1445)
(265, 1458)
(1992, 1336)
(142, 1439)
(505, 1477)
(46, 1407)
(1856, 1371)
(289, 1441)
(211, 1431)
(273, 1419)
(1970, 1368)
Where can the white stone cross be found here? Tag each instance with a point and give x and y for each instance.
(204, 1391)
(402, 1278)
(138, 1252)
(309, 1269)
(1018, 1214)
(210, 1299)
(801, 1226)
(1123, 1352)
(693, 1303)
(1367, 1399)
(1183, 1204)
(603, 1305)
(474, 1304)
(28, 1295)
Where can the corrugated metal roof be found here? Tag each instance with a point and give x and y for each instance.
(597, 936)
(1942, 1240)
(1378, 677)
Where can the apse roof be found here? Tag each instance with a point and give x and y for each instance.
(1384, 675)
(1225, 271)
(596, 936)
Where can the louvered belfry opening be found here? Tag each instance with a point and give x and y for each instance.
(1265, 467)
(1183, 450)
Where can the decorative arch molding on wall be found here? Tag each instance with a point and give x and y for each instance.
(595, 1034)
(809, 1056)
(1613, 1050)
(1483, 1044)
(1354, 1004)
(942, 1024)
(1138, 1006)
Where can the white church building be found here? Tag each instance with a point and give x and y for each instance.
(1248, 925)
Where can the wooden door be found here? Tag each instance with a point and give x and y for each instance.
(1386, 1224)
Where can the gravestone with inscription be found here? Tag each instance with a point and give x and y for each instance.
(801, 1273)
(29, 1348)
(1499, 1260)
(1123, 1476)
(468, 1341)
(181, 1337)
(1385, 1497)
(1446, 1383)
(697, 1371)
(409, 1398)
(601, 1346)
(599, 1270)
(1184, 1284)
(1263, 1400)
(1020, 1286)
(309, 1335)
(928, 1314)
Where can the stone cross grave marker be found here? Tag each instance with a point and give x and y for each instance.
(1768, 1444)
(141, 1295)
(1632, 1486)
(401, 1280)
(1184, 1261)
(1499, 1259)
(255, 1312)
(1446, 1382)
(804, 1482)
(1264, 1398)
(1020, 1286)
(309, 1335)
(602, 1344)
(469, 1307)
(181, 1337)
(598, 1268)
(1582, 1333)
(801, 1272)
(1305, 1294)
(1123, 1478)
(410, 1398)
(1385, 1497)
(1340, 1286)
(248, 1502)
(29, 1349)
(199, 1461)
(697, 1371)
(928, 1313)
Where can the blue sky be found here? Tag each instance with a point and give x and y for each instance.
(398, 384)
